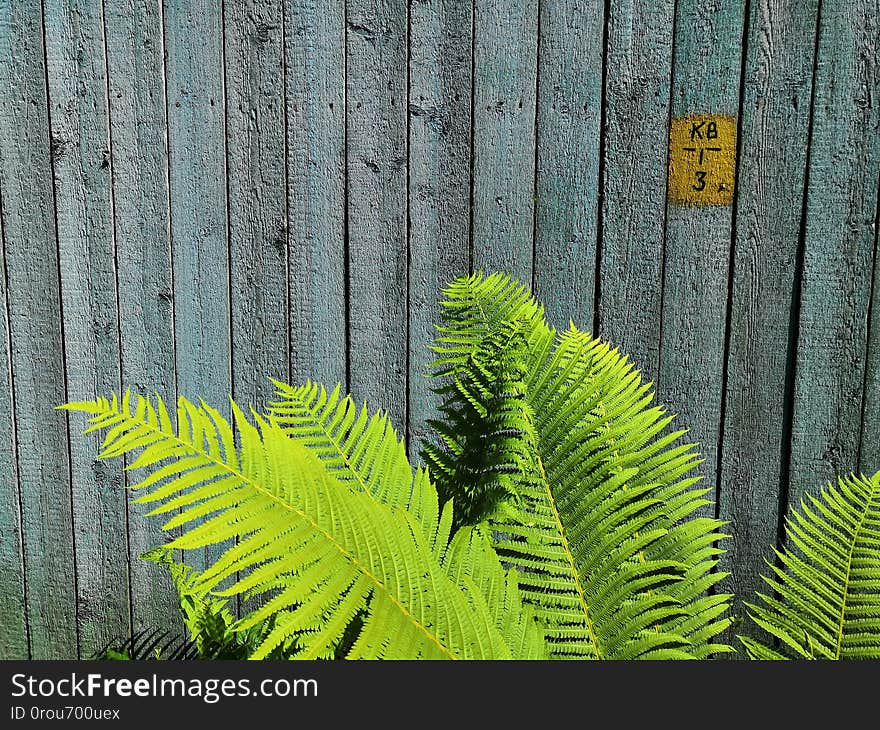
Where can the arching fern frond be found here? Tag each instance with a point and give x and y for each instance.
(318, 551)
(484, 420)
(825, 601)
(361, 450)
(603, 538)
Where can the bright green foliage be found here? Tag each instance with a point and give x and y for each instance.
(209, 619)
(320, 553)
(826, 585)
(360, 450)
(588, 494)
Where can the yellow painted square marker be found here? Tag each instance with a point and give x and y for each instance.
(702, 160)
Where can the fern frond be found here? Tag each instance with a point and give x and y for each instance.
(209, 620)
(361, 450)
(824, 599)
(596, 495)
(484, 421)
(319, 552)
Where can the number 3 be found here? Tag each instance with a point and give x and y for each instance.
(701, 179)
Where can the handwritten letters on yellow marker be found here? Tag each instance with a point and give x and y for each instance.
(702, 160)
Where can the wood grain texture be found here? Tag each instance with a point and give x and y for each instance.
(503, 182)
(197, 174)
(139, 166)
(13, 627)
(778, 76)
(36, 352)
(639, 67)
(376, 83)
(568, 133)
(706, 75)
(838, 250)
(869, 448)
(79, 127)
(226, 186)
(257, 179)
(314, 33)
(439, 161)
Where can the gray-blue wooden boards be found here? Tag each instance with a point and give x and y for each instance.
(197, 196)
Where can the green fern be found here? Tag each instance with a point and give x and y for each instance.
(589, 495)
(826, 585)
(208, 618)
(319, 552)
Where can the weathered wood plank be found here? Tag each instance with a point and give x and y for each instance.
(79, 127)
(13, 627)
(254, 47)
(639, 67)
(706, 76)
(568, 133)
(197, 174)
(869, 447)
(314, 33)
(37, 350)
(376, 83)
(503, 181)
(135, 60)
(439, 202)
(774, 123)
(839, 248)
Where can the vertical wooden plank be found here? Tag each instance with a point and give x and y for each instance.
(79, 126)
(376, 84)
(639, 66)
(838, 249)
(135, 60)
(314, 33)
(869, 446)
(197, 174)
(36, 352)
(706, 76)
(503, 182)
(774, 125)
(13, 628)
(254, 42)
(568, 133)
(439, 201)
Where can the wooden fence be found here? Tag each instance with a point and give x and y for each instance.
(199, 194)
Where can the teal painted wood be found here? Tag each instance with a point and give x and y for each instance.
(772, 163)
(638, 71)
(839, 249)
(706, 76)
(439, 162)
(376, 83)
(503, 182)
(79, 127)
(197, 174)
(869, 448)
(568, 132)
(36, 351)
(13, 627)
(314, 39)
(139, 166)
(257, 179)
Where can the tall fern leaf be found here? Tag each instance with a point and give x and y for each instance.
(317, 550)
(826, 585)
(361, 450)
(599, 494)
